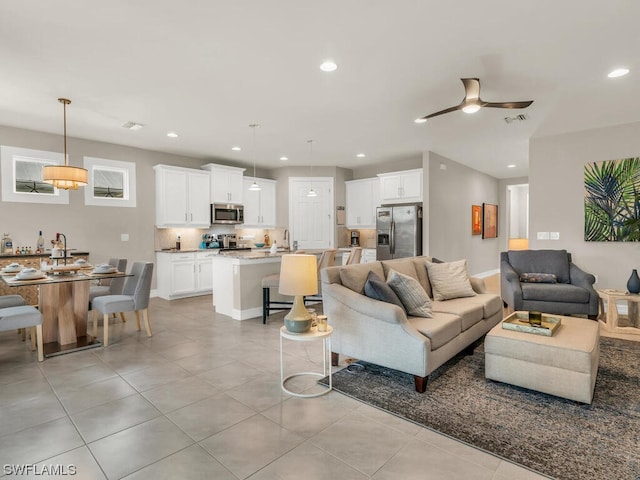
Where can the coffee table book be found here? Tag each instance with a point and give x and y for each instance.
(519, 321)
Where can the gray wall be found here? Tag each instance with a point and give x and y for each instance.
(556, 196)
(89, 228)
(449, 194)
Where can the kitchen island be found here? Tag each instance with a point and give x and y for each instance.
(237, 281)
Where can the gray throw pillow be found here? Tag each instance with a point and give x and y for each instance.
(377, 289)
(415, 300)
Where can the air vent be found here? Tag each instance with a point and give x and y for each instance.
(518, 118)
(132, 125)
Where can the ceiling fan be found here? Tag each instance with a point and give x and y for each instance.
(472, 102)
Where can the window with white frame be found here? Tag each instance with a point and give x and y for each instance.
(112, 183)
(22, 176)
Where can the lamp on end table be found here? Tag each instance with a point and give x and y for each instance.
(298, 277)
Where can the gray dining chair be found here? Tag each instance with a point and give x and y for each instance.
(22, 317)
(110, 286)
(134, 298)
(11, 301)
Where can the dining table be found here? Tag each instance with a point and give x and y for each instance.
(63, 300)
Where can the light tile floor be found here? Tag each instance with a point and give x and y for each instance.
(202, 399)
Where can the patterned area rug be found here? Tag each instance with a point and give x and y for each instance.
(557, 437)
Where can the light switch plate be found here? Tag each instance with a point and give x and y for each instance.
(554, 235)
(124, 237)
(543, 235)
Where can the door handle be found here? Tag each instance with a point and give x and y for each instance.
(392, 239)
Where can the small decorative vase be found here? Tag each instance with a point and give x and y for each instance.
(633, 284)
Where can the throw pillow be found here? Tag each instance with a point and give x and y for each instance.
(538, 278)
(377, 289)
(415, 300)
(450, 280)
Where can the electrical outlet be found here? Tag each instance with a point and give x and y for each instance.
(543, 236)
(554, 235)
(124, 237)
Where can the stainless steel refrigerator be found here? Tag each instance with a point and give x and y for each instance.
(399, 231)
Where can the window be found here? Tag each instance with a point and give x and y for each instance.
(22, 176)
(112, 183)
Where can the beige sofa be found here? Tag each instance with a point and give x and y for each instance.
(381, 333)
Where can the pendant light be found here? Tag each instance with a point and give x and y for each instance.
(66, 177)
(254, 186)
(311, 192)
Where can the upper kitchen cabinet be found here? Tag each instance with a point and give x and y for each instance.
(182, 197)
(259, 206)
(363, 196)
(401, 187)
(226, 183)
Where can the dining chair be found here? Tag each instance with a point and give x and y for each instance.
(354, 256)
(11, 301)
(134, 298)
(23, 317)
(110, 286)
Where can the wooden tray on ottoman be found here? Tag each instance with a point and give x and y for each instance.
(519, 321)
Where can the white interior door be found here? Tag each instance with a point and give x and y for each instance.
(311, 218)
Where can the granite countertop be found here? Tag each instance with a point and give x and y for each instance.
(41, 255)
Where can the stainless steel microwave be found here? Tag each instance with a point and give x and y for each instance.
(227, 214)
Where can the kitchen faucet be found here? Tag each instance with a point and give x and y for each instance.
(64, 248)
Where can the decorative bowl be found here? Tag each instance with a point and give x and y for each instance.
(259, 244)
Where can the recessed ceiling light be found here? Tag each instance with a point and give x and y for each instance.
(420, 120)
(284, 159)
(236, 149)
(511, 166)
(618, 72)
(172, 135)
(361, 155)
(328, 66)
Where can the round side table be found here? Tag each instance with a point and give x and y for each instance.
(309, 336)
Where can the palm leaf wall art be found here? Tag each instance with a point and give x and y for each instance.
(612, 201)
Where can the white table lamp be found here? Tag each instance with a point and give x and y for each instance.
(298, 277)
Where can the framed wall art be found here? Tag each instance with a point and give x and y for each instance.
(476, 220)
(489, 220)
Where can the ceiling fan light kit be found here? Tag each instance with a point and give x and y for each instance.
(472, 102)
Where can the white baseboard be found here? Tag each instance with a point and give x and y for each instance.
(488, 273)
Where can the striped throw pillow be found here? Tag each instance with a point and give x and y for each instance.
(449, 280)
(415, 300)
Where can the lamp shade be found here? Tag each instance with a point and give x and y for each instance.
(65, 177)
(298, 275)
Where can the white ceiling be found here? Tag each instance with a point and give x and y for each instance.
(209, 68)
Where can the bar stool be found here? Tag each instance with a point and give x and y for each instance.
(354, 256)
(269, 282)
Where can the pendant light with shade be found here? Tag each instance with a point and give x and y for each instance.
(311, 192)
(66, 177)
(254, 186)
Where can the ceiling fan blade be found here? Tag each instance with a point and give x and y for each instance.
(508, 104)
(446, 110)
(471, 88)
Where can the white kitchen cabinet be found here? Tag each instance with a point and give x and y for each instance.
(368, 255)
(362, 199)
(259, 206)
(182, 197)
(401, 187)
(184, 274)
(226, 183)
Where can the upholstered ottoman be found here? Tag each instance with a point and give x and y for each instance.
(565, 364)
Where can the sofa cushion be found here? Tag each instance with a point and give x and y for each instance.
(415, 300)
(538, 278)
(469, 312)
(491, 303)
(541, 261)
(554, 292)
(440, 329)
(450, 280)
(402, 265)
(355, 276)
(377, 288)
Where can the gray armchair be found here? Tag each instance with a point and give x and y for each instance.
(572, 294)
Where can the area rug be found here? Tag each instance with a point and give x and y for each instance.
(560, 438)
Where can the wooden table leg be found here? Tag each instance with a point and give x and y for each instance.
(632, 309)
(64, 308)
(612, 313)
